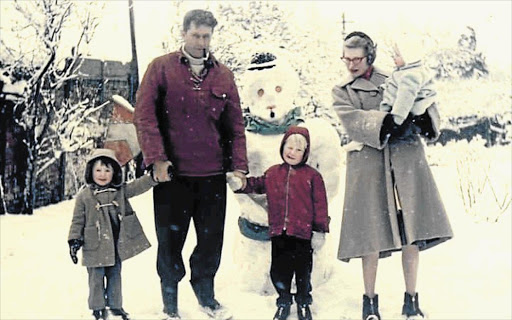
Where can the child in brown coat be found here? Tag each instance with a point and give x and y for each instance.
(96, 225)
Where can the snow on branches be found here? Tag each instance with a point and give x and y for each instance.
(37, 67)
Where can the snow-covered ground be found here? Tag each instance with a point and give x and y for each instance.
(468, 277)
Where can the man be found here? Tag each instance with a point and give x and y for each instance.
(391, 200)
(189, 122)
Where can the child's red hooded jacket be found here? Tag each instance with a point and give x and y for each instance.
(297, 200)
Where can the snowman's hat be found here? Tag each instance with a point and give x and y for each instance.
(262, 60)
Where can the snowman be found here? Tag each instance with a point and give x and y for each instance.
(270, 86)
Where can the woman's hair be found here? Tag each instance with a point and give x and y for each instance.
(358, 39)
(199, 17)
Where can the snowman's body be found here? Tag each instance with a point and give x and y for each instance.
(273, 109)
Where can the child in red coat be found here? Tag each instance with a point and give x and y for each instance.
(297, 206)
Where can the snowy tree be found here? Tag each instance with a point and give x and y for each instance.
(247, 27)
(463, 61)
(47, 122)
(175, 30)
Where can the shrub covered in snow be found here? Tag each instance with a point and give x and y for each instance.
(462, 61)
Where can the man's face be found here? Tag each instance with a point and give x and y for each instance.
(356, 61)
(197, 39)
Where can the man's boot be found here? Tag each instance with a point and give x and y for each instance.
(170, 299)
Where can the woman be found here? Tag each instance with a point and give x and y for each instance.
(391, 200)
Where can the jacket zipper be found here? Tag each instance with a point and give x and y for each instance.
(286, 197)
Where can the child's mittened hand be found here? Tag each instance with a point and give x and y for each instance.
(74, 246)
(317, 240)
(235, 183)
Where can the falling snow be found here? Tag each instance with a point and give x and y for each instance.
(468, 277)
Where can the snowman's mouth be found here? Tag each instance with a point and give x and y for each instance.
(272, 114)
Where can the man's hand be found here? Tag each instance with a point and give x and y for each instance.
(234, 182)
(160, 173)
(241, 175)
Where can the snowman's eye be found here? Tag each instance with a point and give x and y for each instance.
(261, 92)
(278, 89)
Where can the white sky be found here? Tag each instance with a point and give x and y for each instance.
(490, 19)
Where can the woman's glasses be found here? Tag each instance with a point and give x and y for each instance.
(354, 61)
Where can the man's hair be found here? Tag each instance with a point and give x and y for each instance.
(199, 17)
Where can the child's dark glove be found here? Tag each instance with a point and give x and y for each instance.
(74, 246)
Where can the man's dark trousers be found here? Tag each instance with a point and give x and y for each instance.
(202, 199)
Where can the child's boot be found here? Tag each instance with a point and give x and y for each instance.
(100, 314)
(282, 313)
(411, 308)
(304, 312)
(371, 308)
(120, 312)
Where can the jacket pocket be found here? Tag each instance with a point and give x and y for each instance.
(218, 99)
(130, 226)
(132, 239)
(91, 238)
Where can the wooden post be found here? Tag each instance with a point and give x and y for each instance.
(343, 24)
(62, 177)
(3, 130)
(134, 66)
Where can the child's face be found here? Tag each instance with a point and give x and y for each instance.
(293, 152)
(102, 174)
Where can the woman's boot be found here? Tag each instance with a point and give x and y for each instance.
(411, 308)
(371, 308)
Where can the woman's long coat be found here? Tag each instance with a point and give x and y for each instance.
(370, 221)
